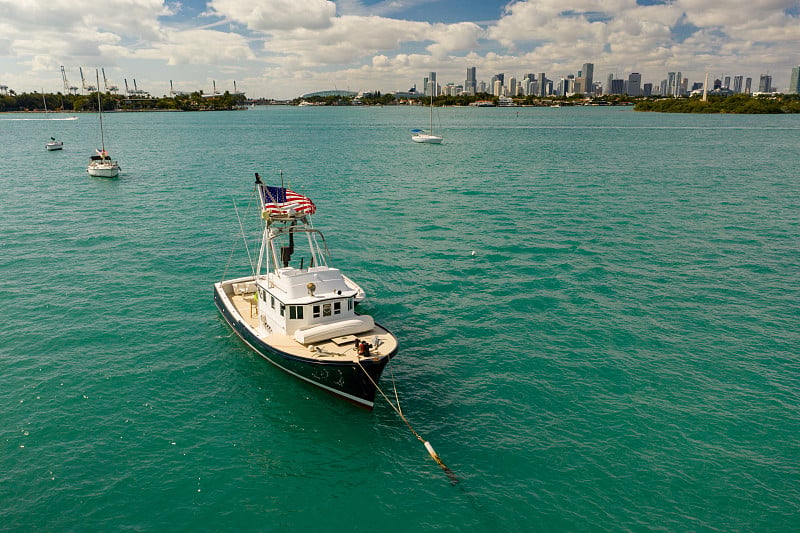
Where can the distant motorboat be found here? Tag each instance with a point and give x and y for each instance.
(100, 164)
(54, 145)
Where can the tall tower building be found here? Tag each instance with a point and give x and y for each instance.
(748, 83)
(672, 83)
(542, 84)
(471, 85)
(765, 84)
(432, 87)
(794, 80)
(497, 90)
(634, 84)
(587, 72)
(512, 86)
(737, 84)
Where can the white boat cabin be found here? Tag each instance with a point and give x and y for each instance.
(311, 305)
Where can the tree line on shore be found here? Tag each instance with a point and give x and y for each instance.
(739, 103)
(195, 101)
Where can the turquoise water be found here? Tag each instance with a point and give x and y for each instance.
(622, 351)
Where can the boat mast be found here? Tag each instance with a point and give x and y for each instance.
(100, 110)
(432, 110)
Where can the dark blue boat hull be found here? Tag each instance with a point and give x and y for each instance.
(348, 380)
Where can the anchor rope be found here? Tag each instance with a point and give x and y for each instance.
(450, 474)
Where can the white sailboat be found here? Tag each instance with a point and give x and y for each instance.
(53, 144)
(422, 136)
(101, 165)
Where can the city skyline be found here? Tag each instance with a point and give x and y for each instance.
(281, 49)
(541, 85)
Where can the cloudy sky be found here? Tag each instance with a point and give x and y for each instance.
(285, 48)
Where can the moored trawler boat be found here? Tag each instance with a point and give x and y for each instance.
(300, 313)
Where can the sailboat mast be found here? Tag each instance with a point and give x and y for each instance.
(100, 110)
(432, 112)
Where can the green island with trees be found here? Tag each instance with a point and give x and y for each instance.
(195, 101)
(737, 104)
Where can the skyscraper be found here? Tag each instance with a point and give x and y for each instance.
(432, 88)
(794, 80)
(471, 85)
(587, 72)
(634, 84)
(748, 83)
(737, 84)
(512, 86)
(765, 84)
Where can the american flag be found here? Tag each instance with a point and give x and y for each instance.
(279, 201)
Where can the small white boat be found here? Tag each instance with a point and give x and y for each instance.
(299, 314)
(54, 145)
(423, 136)
(100, 164)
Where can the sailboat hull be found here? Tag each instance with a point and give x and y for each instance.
(429, 139)
(104, 170)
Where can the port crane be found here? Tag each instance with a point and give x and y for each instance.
(67, 87)
(109, 88)
(86, 88)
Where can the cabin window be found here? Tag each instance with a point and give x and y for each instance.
(296, 312)
(272, 301)
(316, 311)
(326, 309)
(337, 308)
(283, 309)
(349, 304)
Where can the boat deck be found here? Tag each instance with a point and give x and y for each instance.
(338, 348)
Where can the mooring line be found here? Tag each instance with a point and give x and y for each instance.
(450, 474)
